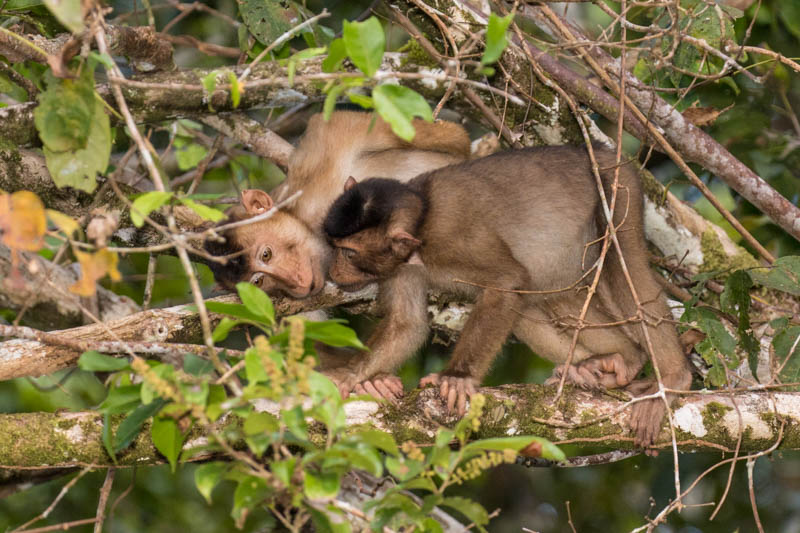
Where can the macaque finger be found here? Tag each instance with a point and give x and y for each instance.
(430, 379)
(359, 389)
(369, 386)
(396, 385)
(462, 400)
(452, 396)
(384, 388)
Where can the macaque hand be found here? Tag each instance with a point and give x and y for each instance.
(595, 373)
(381, 386)
(385, 386)
(454, 390)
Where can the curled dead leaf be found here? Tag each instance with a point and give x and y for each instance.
(93, 267)
(22, 221)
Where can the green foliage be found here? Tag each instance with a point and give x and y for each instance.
(267, 19)
(75, 132)
(496, 40)
(68, 13)
(309, 446)
(147, 203)
(365, 44)
(398, 105)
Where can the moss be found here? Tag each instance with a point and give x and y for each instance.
(653, 189)
(416, 55)
(714, 412)
(715, 258)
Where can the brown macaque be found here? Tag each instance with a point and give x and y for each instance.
(287, 253)
(490, 230)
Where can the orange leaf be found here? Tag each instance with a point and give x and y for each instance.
(93, 267)
(22, 221)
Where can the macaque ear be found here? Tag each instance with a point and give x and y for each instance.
(255, 201)
(403, 244)
(350, 183)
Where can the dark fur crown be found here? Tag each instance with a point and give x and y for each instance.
(365, 205)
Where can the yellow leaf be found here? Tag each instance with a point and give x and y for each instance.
(63, 222)
(93, 267)
(22, 221)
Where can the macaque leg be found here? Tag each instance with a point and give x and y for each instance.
(404, 301)
(483, 335)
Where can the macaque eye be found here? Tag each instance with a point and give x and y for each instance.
(257, 279)
(266, 255)
(348, 253)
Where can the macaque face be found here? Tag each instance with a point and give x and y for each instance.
(365, 257)
(284, 256)
(279, 254)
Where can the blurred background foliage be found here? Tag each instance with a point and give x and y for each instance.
(759, 126)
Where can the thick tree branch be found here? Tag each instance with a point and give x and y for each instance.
(41, 288)
(705, 423)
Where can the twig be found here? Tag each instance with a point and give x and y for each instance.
(100, 517)
(63, 492)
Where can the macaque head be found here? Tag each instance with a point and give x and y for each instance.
(371, 228)
(279, 254)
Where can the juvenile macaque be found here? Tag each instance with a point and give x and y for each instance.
(492, 229)
(287, 252)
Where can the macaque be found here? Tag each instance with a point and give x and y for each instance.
(287, 252)
(519, 233)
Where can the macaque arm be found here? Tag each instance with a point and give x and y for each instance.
(487, 328)
(404, 328)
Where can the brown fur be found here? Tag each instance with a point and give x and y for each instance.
(349, 144)
(519, 220)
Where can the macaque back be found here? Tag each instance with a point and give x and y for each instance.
(520, 232)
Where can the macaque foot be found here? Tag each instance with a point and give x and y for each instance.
(454, 390)
(646, 416)
(595, 373)
(384, 386)
(381, 386)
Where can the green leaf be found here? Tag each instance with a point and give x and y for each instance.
(333, 334)
(496, 40)
(79, 168)
(189, 155)
(257, 302)
(782, 343)
(321, 486)
(302, 55)
(783, 276)
(403, 468)
(253, 367)
(260, 423)
(365, 44)
(237, 310)
(474, 512)
(164, 371)
(364, 101)
(132, 425)
(108, 438)
(735, 299)
(121, 400)
(250, 492)
(789, 13)
(379, 439)
(98, 362)
(295, 421)
(167, 438)
(207, 213)
(549, 450)
(209, 82)
(68, 13)
(223, 329)
(64, 115)
(284, 470)
(328, 519)
(146, 203)
(398, 105)
(196, 366)
(330, 100)
(207, 476)
(236, 91)
(336, 54)
(268, 19)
